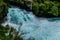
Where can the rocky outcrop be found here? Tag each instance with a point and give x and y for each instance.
(28, 3)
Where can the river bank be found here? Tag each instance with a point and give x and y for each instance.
(39, 8)
(46, 9)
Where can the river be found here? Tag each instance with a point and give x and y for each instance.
(32, 28)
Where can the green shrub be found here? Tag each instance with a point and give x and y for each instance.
(35, 8)
(47, 8)
(4, 30)
(54, 11)
(59, 8)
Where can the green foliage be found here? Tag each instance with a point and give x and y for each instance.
(49, 7)
(3, 6)
(42, 7)
(45, 8)
(59, 8)
(54, 11)
(35, 8)
(4, 30)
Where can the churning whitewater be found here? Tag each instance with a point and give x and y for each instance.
(31, 27)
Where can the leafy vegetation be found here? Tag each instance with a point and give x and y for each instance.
(41, 8)
(4, 31)
(3, 10)
(45, 8)
(35, 8)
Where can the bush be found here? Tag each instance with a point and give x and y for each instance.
(47, 8)
(35, 8)
(4, 30)
(59, 8)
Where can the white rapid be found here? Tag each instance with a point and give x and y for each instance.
(31, 27)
